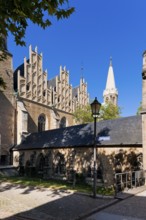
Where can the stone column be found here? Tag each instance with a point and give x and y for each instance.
(143, 112)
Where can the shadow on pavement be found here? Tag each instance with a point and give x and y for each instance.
(22, 203)
(32, 203)
(128, 208)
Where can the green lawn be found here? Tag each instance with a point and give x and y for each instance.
(56, 185)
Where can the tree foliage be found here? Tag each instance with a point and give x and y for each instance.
(83, 115)
(139, 109)
(108, 111)
(14, 16)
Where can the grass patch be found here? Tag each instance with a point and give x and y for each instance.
(56, 185)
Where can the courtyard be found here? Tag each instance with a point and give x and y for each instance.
(19, 202)
(27, 202)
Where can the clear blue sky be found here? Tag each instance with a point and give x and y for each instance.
(97, 30)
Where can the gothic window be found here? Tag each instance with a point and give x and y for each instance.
(60, 167)
(63, 122)
(21, 159)
(41, 122)
(33, 158)
(40, 163)
(57, 123)
(48, 159)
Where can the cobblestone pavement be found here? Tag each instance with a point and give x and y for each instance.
(28, 203)
(131, 208)
(23, 203)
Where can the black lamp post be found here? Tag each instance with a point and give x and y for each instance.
(95, 107)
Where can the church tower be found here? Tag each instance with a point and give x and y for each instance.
(7, 108)
(110, 93)
(143, 112)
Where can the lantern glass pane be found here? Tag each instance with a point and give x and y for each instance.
(95, 107)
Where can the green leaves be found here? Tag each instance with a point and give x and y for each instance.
(139, 109)
(63, 13)
(83, 115)
(14, 16)
(109, 111)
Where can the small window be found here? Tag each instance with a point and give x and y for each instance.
(57, 123)
(52, 98)
(41, 123)
(27, 87)
(60, 167)
(63, 122)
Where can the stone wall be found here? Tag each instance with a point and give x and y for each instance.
(7, 110)
(144, 109)
(53, 116)
(61, 162)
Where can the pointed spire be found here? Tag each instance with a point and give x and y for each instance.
(110, 84)
(110, 93)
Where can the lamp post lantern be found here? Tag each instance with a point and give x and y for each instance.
(95, 107)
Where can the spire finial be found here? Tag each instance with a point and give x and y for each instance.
(82, 71)
(110, 60)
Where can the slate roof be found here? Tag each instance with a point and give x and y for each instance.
(122, 132)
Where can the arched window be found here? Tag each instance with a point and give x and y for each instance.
(41, 122)
(63, 122)
(21, 159)
(40, 163)
(60, 164)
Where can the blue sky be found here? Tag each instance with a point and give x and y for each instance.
(97, 30)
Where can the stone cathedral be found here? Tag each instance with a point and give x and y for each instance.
(32, 102)
(37, 125)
